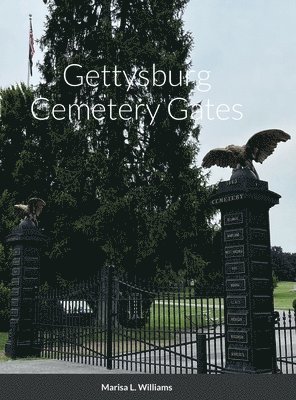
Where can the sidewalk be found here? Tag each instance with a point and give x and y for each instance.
(54, 367)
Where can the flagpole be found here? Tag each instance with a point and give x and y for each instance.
(28, 82)
(29, 66)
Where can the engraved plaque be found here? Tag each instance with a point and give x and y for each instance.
(16, 261)
(233, 234)
(234, 251)
(14, 302)
(259, 236)
(238, 336)
(237, 319)
(15, 281)
(15, 292)
(236, 301)
(263, 320)
(28, 291)
(14, 312)
(235, 268)
(233, 218)
(31, 252)
(235, 284)
(16, 271)
(259, 219)
(262, 303)
(238, 354)
(29, 282)
(261, 285)
(31, 272)
(259, 269)
(259, 252)
(261, 340)
(31, 261)
(16, 251)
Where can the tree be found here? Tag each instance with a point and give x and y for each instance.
(128, 187)
(283, 264)
(125, 192)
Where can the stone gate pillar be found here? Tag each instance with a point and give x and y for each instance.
(249, 327)
(26, 241)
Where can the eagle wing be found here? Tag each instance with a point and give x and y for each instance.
(22, 208)
(221, 157)
(263, 143)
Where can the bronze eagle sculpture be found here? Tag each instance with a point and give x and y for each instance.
(32, 210)
(258, 148)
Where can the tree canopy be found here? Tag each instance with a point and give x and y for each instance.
(283, 264)
(125, 192)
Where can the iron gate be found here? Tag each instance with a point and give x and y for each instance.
(140, 326)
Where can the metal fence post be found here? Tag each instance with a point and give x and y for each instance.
(201, 347)
(275, 321)
(109, 317)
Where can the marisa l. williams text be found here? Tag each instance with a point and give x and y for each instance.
(136, 387)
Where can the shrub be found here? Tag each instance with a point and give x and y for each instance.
(294, 304)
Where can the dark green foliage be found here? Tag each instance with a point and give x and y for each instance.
(25, 161)
(294, 304)
(283, 264)
(122, 192)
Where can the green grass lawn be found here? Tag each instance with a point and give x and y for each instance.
(3, 340)
(179, 317)
(284, 294)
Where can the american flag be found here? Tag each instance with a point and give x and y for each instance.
(31, 47)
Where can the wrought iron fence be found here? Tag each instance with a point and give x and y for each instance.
(140, 326)
(285, 334)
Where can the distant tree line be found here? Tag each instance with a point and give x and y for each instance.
(283, 264)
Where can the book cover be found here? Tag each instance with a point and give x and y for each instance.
(120, 251)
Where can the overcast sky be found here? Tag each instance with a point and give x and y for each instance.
(249, 47)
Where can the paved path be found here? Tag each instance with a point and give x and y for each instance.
(53, 367)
